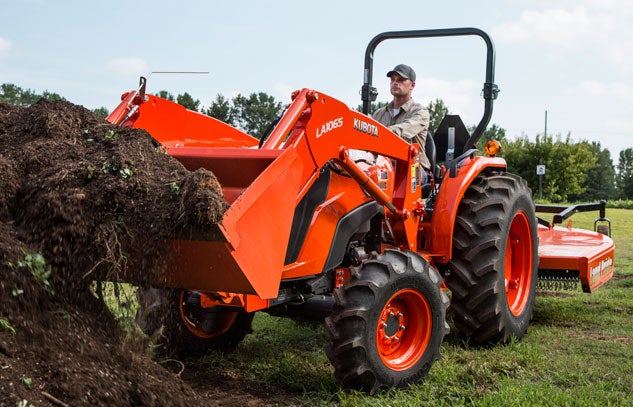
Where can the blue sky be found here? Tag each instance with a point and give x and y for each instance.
(571, 58)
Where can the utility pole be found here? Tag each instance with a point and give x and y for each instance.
(540, 169)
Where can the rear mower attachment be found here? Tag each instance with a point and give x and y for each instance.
(568, 255)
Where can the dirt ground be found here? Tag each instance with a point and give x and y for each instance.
(92, 199)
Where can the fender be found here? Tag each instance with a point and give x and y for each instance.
(346, 228)
(449, 196)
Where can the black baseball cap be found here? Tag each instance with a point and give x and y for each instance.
(403, 70)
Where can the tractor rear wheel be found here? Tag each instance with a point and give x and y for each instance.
(387, 323)
(493, 271)
(176, 322)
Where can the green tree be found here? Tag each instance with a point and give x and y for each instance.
(101, 112)
(570, 164)
(221, 109)
(15, 95)
(519, 157)
(165, 95)
(600, 181)
(254, 114)
(567, 165)
(373, 107)
(437, 111)
(493, 132)
(51, 96)
(624, 178)
(188, 102)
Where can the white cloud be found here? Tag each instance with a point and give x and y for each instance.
(554, 26)
(617, 90)
(282, 91)
(620, 126)
(5, 44)
(592, 88)
(601, 29)
(461, 97)
(621, 52)
(128, 66)
(619, 6)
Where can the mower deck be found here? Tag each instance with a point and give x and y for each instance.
(566, 253)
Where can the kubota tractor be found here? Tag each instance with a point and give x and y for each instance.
(332, 217)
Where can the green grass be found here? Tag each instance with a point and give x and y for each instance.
(121, 299)
(578, 352)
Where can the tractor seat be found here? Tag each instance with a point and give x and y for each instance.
(450, 138)
(433, 173)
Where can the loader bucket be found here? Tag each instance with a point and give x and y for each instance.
(173, 125)
(261, 186)
(246, 253)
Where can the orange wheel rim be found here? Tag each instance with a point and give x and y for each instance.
(404, 329)
(518, 264)
(224, 321)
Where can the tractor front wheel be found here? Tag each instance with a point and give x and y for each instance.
(176, 322)
(387, 323)
(493, 272)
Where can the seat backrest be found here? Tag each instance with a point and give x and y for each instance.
(453, 128)
(430, 151)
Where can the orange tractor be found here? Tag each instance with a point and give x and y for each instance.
(332, 217)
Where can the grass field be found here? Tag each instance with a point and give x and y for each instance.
(578, 352)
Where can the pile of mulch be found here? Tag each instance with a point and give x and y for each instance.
(84, 200)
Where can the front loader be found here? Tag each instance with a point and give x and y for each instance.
(332, 217)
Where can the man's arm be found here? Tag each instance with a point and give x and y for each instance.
(416, 122)
(382, 116)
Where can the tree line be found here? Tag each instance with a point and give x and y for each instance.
(576, 171)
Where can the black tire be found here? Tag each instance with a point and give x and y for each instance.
(493, 271)
(168, 319)
(387, 323)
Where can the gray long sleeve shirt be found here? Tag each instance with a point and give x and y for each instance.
(411, 123)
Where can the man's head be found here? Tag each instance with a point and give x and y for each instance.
(402, 81)
(405, 71)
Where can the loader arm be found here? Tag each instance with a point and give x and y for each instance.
(331, 130)
(245, 252)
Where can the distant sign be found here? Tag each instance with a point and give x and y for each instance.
(540, 170)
